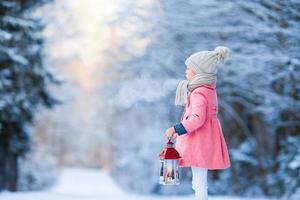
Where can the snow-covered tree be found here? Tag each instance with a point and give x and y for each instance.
(23, 83)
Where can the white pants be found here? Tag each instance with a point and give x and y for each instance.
(199, 183)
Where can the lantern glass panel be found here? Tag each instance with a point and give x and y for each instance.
(169, 174)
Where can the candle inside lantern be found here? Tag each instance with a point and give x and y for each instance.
(169, 172)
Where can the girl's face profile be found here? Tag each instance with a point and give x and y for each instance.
(189, 73)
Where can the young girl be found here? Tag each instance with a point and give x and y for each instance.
(199, 137)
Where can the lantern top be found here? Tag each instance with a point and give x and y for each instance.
(169, 152)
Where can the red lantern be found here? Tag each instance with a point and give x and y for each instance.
(169, 173)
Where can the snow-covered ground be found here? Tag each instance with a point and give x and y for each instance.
(91, 184)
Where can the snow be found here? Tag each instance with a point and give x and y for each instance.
(90, 184)
(17, 57)
(4, 35)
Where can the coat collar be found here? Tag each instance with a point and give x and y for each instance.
(208, 85)
(211, 86)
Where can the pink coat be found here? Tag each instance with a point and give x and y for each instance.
(203, 145)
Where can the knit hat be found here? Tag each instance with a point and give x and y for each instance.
(207, 61)
(205, 64)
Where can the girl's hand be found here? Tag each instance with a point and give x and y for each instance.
(170, 132)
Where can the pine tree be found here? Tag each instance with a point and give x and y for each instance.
(23, 83)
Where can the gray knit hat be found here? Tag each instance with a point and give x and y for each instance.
(207, 61)
(205, 64)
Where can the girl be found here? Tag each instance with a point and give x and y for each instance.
(199, 137)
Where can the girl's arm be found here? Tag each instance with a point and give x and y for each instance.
(197, 116)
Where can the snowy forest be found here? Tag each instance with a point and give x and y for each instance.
(90, 85)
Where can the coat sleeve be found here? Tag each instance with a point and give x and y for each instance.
(197, 116)
(179, 129)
